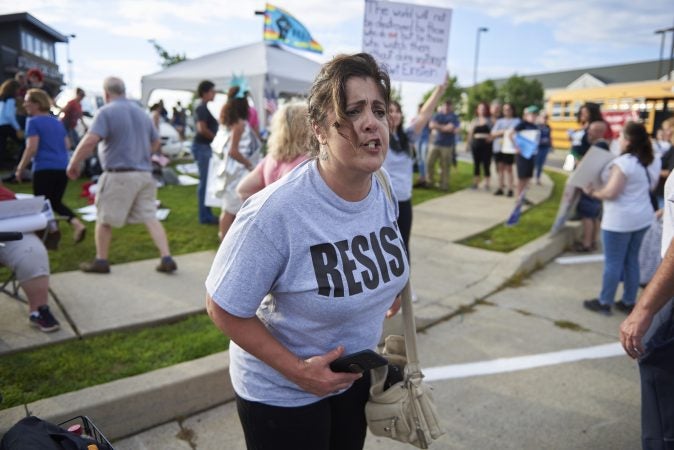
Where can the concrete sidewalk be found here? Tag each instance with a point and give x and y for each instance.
(446, 277)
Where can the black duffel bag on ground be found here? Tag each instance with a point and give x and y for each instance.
(33, 433)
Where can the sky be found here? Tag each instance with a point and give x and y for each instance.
(523, 37)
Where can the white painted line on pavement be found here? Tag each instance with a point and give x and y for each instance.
(522, 362)
(581, 259)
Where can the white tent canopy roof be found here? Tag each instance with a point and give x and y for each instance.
(285, 72)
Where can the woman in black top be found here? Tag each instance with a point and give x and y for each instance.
(479, 142)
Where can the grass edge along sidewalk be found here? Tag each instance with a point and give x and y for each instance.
(533, 223)
(76, 364)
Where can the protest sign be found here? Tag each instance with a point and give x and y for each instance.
(411, 40)
(590, 167)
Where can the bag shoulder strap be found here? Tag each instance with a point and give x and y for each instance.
(410, 329)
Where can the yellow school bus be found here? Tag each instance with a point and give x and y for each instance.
(649, 102)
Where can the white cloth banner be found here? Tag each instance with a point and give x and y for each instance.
(412, 40)
(21, 207)
(24, 224)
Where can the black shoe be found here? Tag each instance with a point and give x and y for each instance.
(527, 202)
(167, 265)
(499, 191)
(595, 306)
(624, 308)
(510, 192)
(45, 321)
(95, 266)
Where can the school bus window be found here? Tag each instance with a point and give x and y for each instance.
(556, 109)
(576, 107)
(625, 104)
(611, 104)
(569, 112)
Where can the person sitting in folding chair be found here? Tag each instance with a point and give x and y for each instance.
(29, 261)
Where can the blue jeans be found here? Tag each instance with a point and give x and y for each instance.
(621, 257)
(541, 156)
(74, 137)
(422, 153)
(202, 156)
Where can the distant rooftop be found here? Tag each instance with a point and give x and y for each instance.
(622, 73)
(26, 17)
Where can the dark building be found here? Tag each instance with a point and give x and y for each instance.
(25, 43)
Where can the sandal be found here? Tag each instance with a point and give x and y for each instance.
(79, 236)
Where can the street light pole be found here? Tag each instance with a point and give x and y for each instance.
(662, 49)
(70, 61)
(663, 32)
(477, 52)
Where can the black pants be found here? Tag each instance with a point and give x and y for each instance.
(657, 384)
(334, 423)
(7, 132)
(52, 184)
(405, 223)
(482, 158)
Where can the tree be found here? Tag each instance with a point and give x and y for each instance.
(521, 93)
(166, 58)
(483, 92)
(452, 93)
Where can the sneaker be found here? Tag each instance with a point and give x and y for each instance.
(595, 306)
(95, 266)
(510, 193)
(623, 307)
(167, 265)
(527, 202)
(499, 191)
(45, 321)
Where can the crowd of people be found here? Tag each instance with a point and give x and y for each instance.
(290, 218)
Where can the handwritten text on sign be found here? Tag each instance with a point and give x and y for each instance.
(412, 40)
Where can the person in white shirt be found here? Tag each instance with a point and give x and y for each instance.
(627, 215)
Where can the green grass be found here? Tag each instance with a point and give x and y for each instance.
(56, 369)
(72, 365)
(460, 177)
(534, 223)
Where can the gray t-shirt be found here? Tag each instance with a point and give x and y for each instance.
(502, 124)
(333, 268)
(128, 134)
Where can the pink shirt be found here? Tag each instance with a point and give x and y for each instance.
(271, 170)
(253, 119)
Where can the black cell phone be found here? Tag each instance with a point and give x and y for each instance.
(358, 362)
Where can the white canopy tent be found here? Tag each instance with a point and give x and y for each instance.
(261, 64)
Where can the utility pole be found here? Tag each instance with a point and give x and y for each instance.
(662, 33)
(477, 52)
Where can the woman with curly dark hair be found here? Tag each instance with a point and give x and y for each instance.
(627, 215)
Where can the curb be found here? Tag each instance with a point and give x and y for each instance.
(127, 406)
(130, 405)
